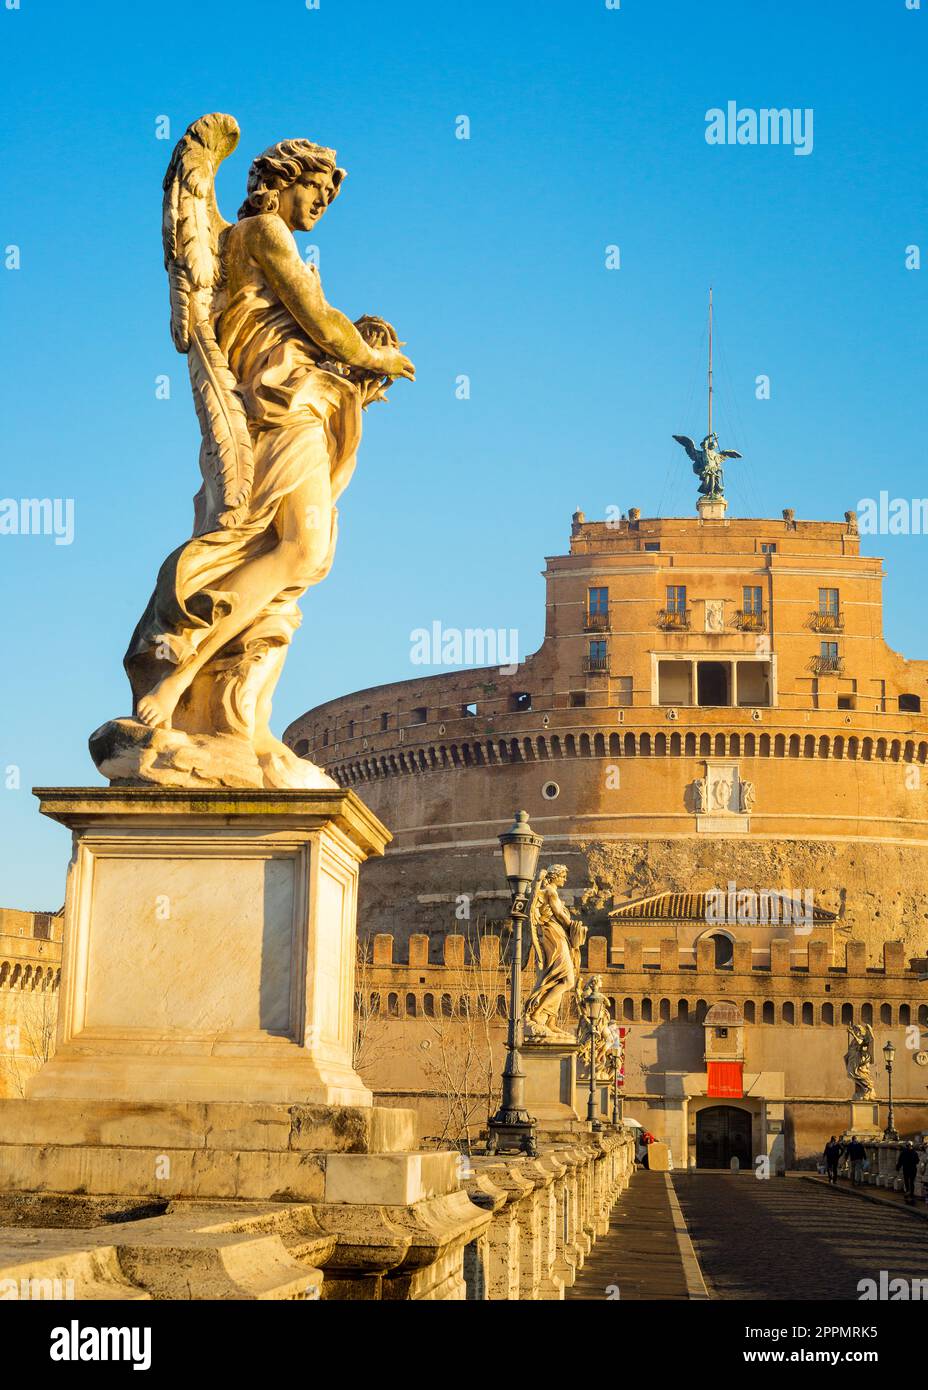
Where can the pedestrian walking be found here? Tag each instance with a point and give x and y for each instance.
(832, 1156)
(907, 1164)
(857, 1155)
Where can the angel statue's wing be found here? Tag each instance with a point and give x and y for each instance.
(191, 229)
(731, 454)
(689, 446)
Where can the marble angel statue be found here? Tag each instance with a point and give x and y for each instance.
(859, 1059)
(279, 380)
(556, 939)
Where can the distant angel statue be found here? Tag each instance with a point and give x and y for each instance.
(707, 463)
(859, 1059)
(279, 380)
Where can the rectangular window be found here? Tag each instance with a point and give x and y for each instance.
(469, 710)
(419, 715)
(676, 598)
(598, 651)
(652, 545)
(829, 651)
(845, 702)
(576, 699)
(598, 600)
(384, 722)
(768, 547)
(753, 599)
(828, 602)
(351, 728)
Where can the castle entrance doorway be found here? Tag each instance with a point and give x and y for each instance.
(723, 1132)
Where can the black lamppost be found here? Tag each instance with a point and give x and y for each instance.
(512, 1127)
(889, 1056)
(592, 1003)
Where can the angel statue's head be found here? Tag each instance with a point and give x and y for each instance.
(296, 179)
(556, 874)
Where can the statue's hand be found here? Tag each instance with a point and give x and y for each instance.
(391, 362)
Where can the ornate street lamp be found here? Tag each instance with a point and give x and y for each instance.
(592, 1004)
(616, 1049)
(512, 1127)
(889, 1056)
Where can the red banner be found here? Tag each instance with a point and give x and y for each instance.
(726, 1079)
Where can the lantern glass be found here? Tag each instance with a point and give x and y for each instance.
(889, 1052)
(520, 846)
(593, 1004)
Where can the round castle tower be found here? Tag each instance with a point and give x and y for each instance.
(713, 707)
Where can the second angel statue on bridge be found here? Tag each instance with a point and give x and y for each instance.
(279, 380)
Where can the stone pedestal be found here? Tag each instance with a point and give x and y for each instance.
(864, 1120)
(711, 508)
(550, 1082)
(209, 946)
(205, 1023)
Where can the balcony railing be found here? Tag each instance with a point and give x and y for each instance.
(827, 665)
(596, 663)
(750, 621)
(671, 619)
(596, 622)
(826, 622)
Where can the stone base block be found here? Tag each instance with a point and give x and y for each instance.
(253, 1152)
(864, 1120)
(550, 1082)
(209, 946)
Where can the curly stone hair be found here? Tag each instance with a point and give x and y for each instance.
(282, 165)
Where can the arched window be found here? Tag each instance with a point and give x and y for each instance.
(646, 1011)
(886, 1014)
(393, 1005)
(724, 950)
(789, 1012)
(683, 1010)
(767, 1013)
(628, 1008)
(828, 1013)
(663, 1011)
(410, 1006)
(749, 1011)
(807, 1015)
(847, 1013)
(446, 1006)
(866, 1013)
(905, 1015)
(428, 1005)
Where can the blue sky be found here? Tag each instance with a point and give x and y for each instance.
(587, 129)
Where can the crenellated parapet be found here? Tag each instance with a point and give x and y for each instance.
(800, 985)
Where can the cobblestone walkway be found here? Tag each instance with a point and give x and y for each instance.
(790, 1238)
(640, 1257)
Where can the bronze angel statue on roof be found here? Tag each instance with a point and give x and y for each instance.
(707, 463)
(279, 380)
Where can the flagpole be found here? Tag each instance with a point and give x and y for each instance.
(710, 360)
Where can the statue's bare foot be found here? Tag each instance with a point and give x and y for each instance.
(157, 707)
